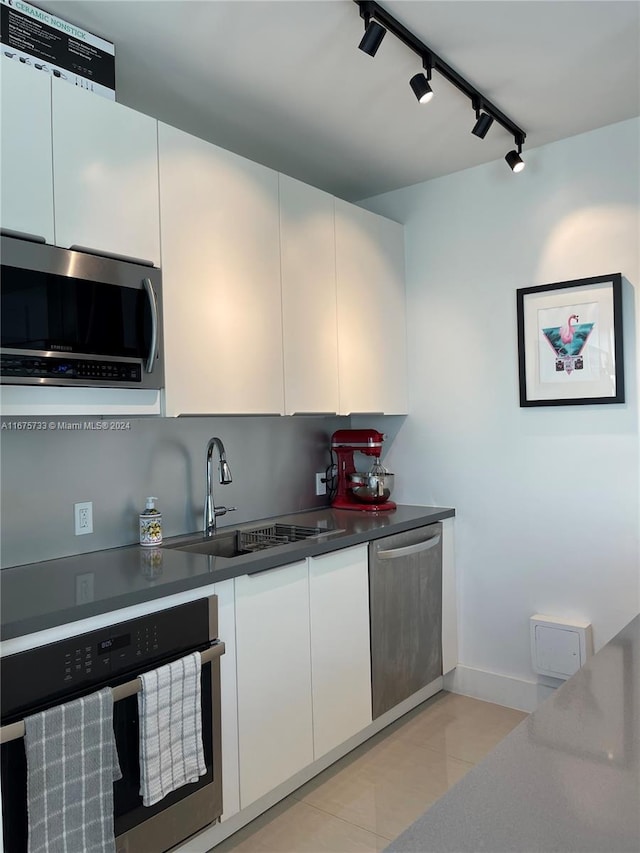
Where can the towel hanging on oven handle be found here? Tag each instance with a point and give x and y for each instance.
(13, 731)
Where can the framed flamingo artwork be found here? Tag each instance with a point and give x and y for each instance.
(570, 342)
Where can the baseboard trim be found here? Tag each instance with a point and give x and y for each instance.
(494, 687)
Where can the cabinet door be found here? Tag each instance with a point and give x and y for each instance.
(225, 590)
(340, 659)
(371, 312)
(105, 166)
(26, 189)
(274, 678)
(449, 598)
(221, 280)
(310, 331)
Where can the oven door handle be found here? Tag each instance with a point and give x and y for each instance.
(14, 731)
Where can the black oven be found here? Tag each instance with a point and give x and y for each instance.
(72, 318)
(40, 678)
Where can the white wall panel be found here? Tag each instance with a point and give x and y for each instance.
(546, 498)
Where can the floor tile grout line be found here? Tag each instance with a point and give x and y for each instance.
(390, 738)
(336, 772)
(349, 822)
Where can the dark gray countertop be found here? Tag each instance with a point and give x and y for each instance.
(44, 595)
(566, 780)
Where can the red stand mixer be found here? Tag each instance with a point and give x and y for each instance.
(366, 492)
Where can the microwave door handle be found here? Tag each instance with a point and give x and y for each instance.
(153, 304)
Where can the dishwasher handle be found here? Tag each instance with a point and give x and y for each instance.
(409, 549)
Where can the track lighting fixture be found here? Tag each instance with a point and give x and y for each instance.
(515, 161)
(513, 158)
(482, 125)
(421, 88)
(372, 38)
(486, 112)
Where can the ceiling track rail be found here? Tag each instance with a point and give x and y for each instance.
(430, 60)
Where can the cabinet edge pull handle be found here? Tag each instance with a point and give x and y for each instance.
(153, 304)
(22, 235)
(112, 255)
(409, 549)
(274, 568)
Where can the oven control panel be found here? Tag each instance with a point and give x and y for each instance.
(105, 656)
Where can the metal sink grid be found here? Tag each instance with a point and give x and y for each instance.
(274, 534)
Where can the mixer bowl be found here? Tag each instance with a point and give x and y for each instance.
(371, 488)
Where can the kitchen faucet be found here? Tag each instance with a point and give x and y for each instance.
(211, 511)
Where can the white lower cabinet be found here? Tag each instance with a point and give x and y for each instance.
(225, 590)
(449, 599)
(274, 678)
(303, 665)
(340, 657)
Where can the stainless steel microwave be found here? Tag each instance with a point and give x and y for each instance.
(69, 317)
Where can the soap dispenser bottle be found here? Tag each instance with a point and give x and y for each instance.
(151, 524)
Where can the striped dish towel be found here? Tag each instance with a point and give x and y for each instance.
(71, 766)
(171, 753)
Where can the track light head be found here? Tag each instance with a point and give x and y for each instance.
(482, 125)
(421, 88)
(372, 38)
(515, 161)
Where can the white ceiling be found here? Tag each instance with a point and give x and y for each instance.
(283, 82)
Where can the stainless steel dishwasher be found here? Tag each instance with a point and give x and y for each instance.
(405, 599)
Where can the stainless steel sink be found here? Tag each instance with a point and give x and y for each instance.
(220, 545)
(236, 543)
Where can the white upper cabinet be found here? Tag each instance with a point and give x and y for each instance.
(105, 169)
(371, 312)
(26, 188)
(221, 280)
(310, 339)
(340, 657)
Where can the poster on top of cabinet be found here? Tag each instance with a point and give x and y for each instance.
(57, 48)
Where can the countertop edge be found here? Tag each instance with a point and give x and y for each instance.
(355, 529)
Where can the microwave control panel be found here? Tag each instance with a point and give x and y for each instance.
(33, 368)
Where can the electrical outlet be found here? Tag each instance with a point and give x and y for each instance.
(83, 515)
(321, 485)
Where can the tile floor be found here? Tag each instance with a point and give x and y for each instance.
(363, 801)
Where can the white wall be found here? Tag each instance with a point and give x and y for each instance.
(546, 498)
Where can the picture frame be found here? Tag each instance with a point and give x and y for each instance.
(570, 342)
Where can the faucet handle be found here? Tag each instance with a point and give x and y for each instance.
(223, 510)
